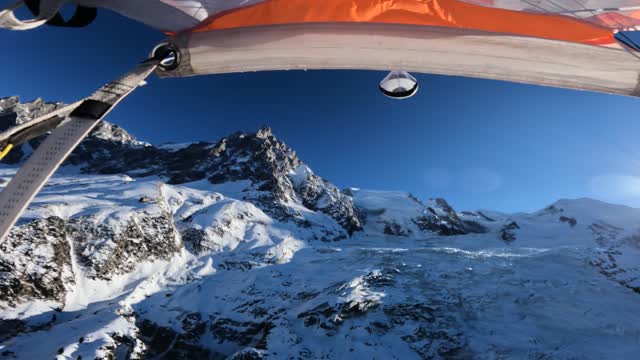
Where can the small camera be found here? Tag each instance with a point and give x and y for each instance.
(399, 84)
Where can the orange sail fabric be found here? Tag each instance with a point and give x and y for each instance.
(445, 13)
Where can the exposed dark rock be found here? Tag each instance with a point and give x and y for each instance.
(571, 221)
(551, 210)
(170, 344)
(194, 239)
(243, 340)
(507, 233)
(485, 216)
(35, 259)
(244, 333)
(605, 235)
(42, 243)
(248, 354)
(608, 257)
(146, 200)
(449, 223)
(379, 279)
(123, 347)
(434, 335)
(105, 253)
(451, 226)
(237, 265)
(395, 229)
(10, 328)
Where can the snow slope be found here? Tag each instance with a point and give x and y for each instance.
(263, 287)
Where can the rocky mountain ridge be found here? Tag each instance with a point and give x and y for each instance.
(275, 179)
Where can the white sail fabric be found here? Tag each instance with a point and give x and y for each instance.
(179, 15)
(168, 15)
(451, 37)
(614, 14)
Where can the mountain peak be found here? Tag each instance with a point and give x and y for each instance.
(587, 210)
(264, 132)
(258, 157)
(8, 102)
(110, 132)
(279, 179)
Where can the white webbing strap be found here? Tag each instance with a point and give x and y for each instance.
(48, 9)
(35, 172)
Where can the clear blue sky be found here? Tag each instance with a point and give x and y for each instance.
(477, 143)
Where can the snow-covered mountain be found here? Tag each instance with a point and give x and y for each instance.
(237, 249)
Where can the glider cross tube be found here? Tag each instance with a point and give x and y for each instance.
(423, 49)
(35, 172)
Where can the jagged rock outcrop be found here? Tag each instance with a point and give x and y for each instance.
(36, 258)
(13, 112)
(610, 257)
(402, 214)
(35, 263)
(507, 232)
(569, 220)
(105, 251)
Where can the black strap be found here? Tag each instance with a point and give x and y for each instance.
(91, 109)
(82, 17)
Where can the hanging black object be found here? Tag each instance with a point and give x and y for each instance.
(82, 17)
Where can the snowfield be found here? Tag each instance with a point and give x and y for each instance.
(237, 250)
(261, 288)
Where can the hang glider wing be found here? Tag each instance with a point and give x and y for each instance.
(562, 43)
